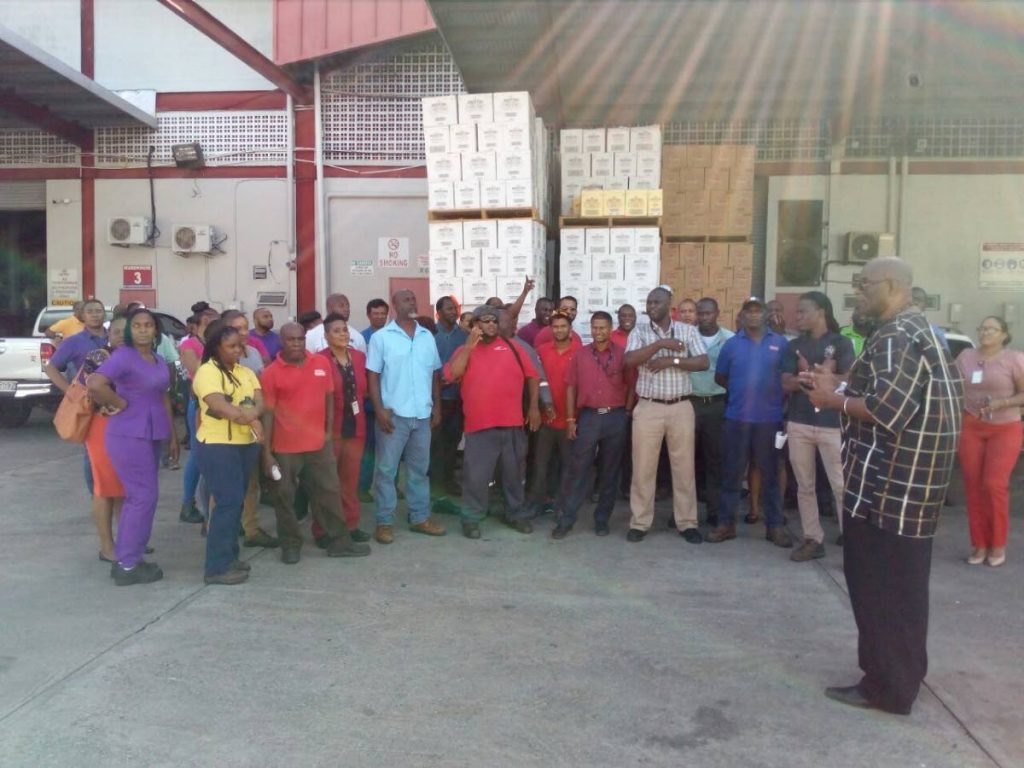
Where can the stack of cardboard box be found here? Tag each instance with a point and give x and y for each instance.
(619, 167)
(723, 271)
(485, 151)
(606, 267)
(708, 190)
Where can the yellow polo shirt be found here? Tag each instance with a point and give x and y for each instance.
(209, 380)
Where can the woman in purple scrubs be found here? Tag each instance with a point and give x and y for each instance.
(133, 384)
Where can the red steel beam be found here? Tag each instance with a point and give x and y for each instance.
(88, 35)
(87, 31)
(225, 37)
(305, 209)
(41, 117)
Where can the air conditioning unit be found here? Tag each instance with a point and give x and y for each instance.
(862, 247)
(128, 230)
(192, 238)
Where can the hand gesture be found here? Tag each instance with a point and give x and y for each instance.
(529, 285)
(801, 362)
(475, 334)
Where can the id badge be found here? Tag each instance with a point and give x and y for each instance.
(355, 407)
(976, 377)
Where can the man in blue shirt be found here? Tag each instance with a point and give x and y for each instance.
(750, 368)
(405, 387)
(445, 439)
(377, 313)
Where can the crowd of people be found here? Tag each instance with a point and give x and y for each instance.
(661, 403)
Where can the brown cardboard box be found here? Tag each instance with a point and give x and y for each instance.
(742, 177)
(692, 179)
(716, 221)
(672, 156)
(592, 202)
(695, 280)
(723, 154)
(738, 223)
(741, 255)
(671, 275)
(697, 202)
(716, 254)
(691, 255)
(746, 155)
(716, 177)
(742, 281)
(670, 256)
(698, 155)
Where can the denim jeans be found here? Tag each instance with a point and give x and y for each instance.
(744, 442)
(191, 473)
(410, 441)
(226, 469)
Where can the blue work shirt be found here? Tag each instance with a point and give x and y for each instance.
(73, 349)
(703, 382)
(447, 343)
(406, 367)
(754, 372)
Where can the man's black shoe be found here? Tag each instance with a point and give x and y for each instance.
(561, 531)
(601, 529)
(635, 534)
(692, 535)
(851, 696)
(190, 514)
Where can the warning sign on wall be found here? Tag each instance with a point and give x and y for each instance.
(393, 252)
(1001, 266)
(64, 286)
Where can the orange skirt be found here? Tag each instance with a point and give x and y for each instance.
(106, 484)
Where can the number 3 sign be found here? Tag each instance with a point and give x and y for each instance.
(137, 276)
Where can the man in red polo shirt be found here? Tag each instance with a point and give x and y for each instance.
(596, 400)
(298, 414)
(551, 452)
(492, 372)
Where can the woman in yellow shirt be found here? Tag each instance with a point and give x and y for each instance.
(228, 438)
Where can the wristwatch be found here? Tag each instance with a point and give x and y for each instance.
(676, 360)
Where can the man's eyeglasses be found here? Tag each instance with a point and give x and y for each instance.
(488, 319)
(861, 283)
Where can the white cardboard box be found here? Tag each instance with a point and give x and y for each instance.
(445, 286)
(623, 240)
(494, 261)
(576, 167)
(476, 107)
(619, 293)
(480, 233)
(648, 166)
(618, 140)
(444, 167)
(462, 137)
(594, 299)
(598, 241)
(467, 262)
(479, 165)
(572, 241)
(625, 164)
(515, 137)
(440, 110)
(620, 183)
(645, 138)
(437, 139)
(575, 269)
(488, 137)
(648, 240)
(602, 164)
(607, 268)
(521, 263)
(445, 235)
(636, 182)
(594, 140)
(640, 291)
(442, 263)
(575, 288)
(477, 290)
(492, 194)
(519, 193)
(508, 287)
(516, 235)
(570, 191)
(467, 194)
(513, 107)
(571, 141)
(441, 195)
(642, 269)
(514, 165)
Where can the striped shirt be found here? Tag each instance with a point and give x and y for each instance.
(669, 383)
(897, 468)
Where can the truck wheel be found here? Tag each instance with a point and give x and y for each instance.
(13, 415)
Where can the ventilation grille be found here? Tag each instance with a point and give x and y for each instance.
(34, 149)
(774, 139)
(227, 137)
(371, 111)
(937, 137)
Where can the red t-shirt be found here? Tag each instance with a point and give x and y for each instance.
(492, 388)
(297, 395)
(545, 336)
(556, 363)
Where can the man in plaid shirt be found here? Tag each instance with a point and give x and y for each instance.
(901, 422)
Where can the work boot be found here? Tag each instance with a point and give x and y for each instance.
(384, 534)
(260, 539)
(428, 527)
(228, 578)
(721, 533)
(343, 546)
(779, 536)
(809, 550)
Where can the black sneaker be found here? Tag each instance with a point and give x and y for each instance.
(692, 535)
(635, 534)
(344, 546)
(190, 514)
(142, 573)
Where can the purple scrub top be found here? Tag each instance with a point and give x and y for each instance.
(142, 385)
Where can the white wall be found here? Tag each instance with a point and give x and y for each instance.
(946, 218)
(140, 44)
(253, 213)
(63, 227)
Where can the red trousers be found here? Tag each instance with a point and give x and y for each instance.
(348, 453)
(988, 453)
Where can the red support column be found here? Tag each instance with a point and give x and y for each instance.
(86, 19)
(88, 36)
(305, 208)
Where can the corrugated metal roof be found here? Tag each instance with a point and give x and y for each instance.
(30, 74)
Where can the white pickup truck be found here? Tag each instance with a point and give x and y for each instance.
(23, 384)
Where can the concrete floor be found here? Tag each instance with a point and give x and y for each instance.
(509, 651)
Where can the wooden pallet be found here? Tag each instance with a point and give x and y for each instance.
(473, 214)
(706, 238)
(609, 221)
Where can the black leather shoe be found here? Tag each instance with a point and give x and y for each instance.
(851, 696)
(561, 531)
(601, 529)
(635, 534)
(692, 535)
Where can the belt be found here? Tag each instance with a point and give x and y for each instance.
(673, 401)
(603, 411)
(705, 399)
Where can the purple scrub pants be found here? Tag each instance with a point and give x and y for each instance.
(137, 462)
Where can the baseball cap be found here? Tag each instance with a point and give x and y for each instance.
(753, 300)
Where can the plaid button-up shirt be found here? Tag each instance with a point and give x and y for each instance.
(670, 383)
(897, 468)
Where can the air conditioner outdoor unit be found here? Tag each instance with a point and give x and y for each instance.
(192, 238)
(862, 247)
(128, 230)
